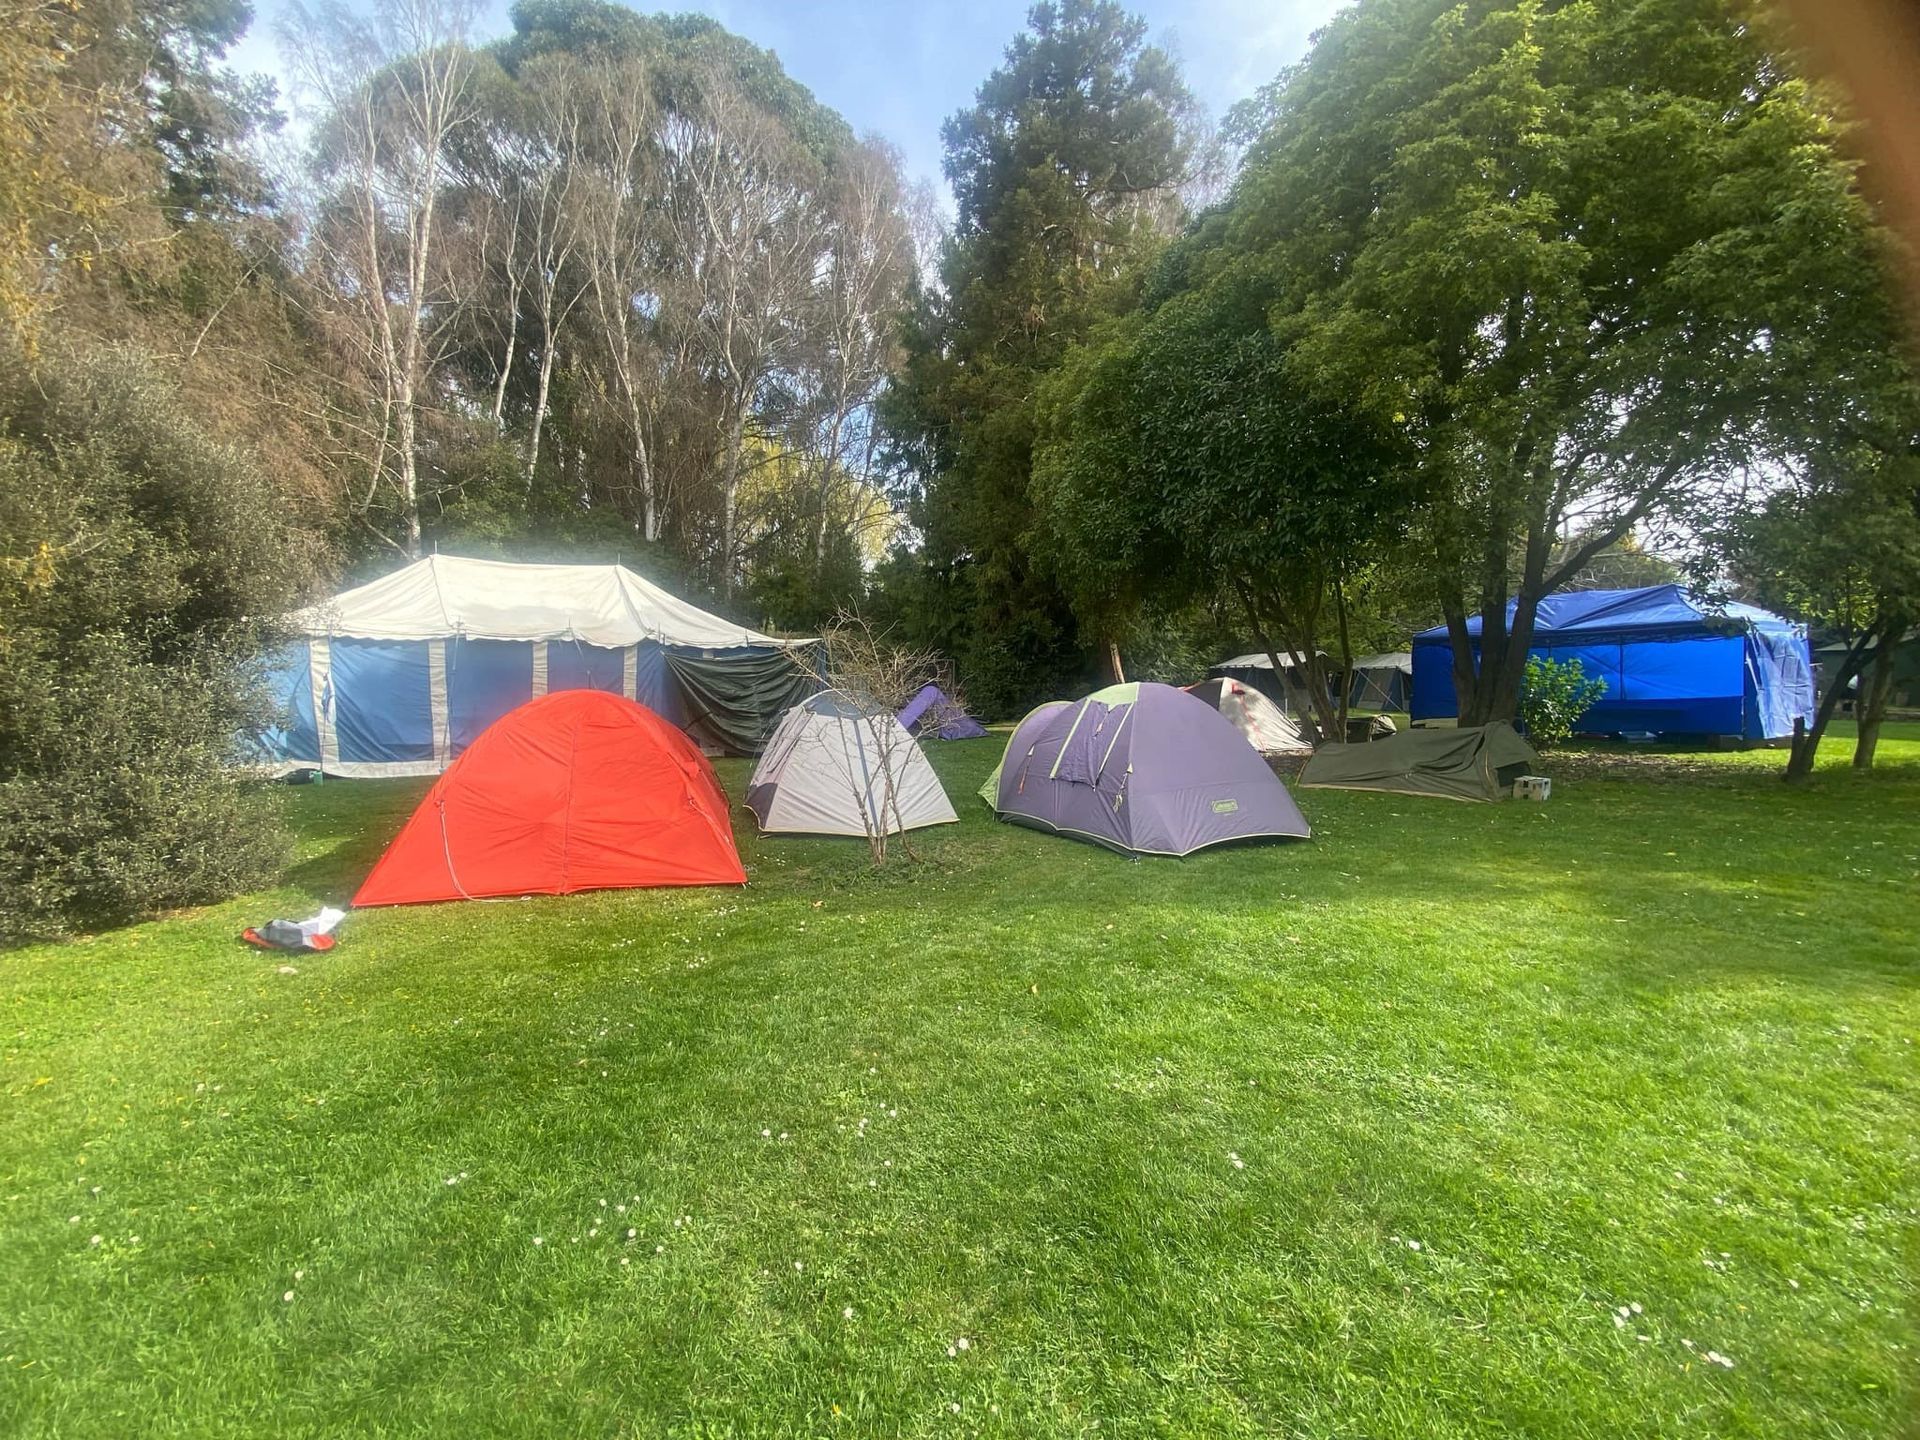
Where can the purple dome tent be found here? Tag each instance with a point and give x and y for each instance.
(1146, 769)
(930, 715)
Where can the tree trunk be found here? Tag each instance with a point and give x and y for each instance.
(1495, 693)
(1113, 663)
(1871, 708)
(1806, 743)
(539, 410)
(506, 365)
(409, 475)
(1346, 650)
(730, 496)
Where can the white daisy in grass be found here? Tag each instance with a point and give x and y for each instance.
(288, 1297)
(94, 1241)
(538, 1241)
(847, 1314)
(1715, 1357)
(632, 1233)
(799, 1265)
(624, 1260)
(659, 1249)
(964, 1343)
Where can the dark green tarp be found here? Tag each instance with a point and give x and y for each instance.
(1475, 763)
(735, 698)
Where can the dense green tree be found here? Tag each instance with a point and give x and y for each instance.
(1841, 546)
(141, 563)
(1066, 175)
(1179, 460)
(1591, 259)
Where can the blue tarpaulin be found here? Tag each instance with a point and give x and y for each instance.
(1672, 664)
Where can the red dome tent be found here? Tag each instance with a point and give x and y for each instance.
(578, 790)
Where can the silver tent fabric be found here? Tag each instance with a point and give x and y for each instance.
(1264, 724)
(828, 762)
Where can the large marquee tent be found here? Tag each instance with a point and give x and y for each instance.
(1142, 768)
(399, 676)
(574, 791)
(1672, 664)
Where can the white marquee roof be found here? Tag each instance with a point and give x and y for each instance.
(1401, 660)
(497, 600)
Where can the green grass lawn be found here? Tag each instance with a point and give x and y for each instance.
(1455, 1121)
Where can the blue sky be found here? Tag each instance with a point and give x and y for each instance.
(899, 68)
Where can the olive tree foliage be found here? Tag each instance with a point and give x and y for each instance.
(137, 559)
(1589, 260)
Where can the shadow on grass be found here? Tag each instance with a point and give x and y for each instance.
(1744, 876)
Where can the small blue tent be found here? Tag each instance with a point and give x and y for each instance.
(1672, 665)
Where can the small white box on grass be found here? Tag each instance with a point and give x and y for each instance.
(1532, 787)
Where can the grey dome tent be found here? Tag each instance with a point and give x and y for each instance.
(1470, 763)
(826, 771)
(1381, 682)
(1145, 769)
(1264, 724)
(1286, 688)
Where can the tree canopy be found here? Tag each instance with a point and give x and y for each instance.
(1066, 175)
(1599, 263)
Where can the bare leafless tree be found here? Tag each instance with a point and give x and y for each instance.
(394, 84)
(861, 277)
(879, 677)
(740, 198)
(608, 115)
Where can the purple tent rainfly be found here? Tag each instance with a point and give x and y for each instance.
(930, 715)
(1146, 769)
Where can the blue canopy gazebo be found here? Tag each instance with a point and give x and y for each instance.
(1672, 664)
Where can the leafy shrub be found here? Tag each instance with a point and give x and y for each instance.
(1553, 697)
(140, 563)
